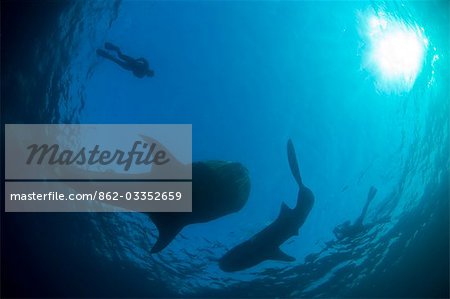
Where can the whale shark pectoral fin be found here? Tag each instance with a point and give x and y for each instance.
(166, 235)
(292, 158)
(279, 255)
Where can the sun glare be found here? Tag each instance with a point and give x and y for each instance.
(395, 53)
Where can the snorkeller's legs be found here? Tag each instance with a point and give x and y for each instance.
(106, 55)
(109, 46)
(370, 196)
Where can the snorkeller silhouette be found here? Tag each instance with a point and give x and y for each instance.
(346, 229)
(139, 66)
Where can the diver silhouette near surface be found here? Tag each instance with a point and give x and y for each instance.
(139, 66)
(346, 229)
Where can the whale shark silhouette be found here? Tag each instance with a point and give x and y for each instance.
(219, 188)
(265, 244)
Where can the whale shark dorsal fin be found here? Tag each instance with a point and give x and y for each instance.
(284, 209)
(292, 158)
(279, 255)
(166, 234)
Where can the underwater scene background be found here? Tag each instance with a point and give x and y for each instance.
(248, 75)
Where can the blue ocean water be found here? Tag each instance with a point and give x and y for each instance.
(248, 76)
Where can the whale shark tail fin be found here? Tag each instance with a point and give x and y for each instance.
(161, 146)
(166, 234)
(293, 162)
(174, 167)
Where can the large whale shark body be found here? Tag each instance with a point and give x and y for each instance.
(219, 188)
(265, 244)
